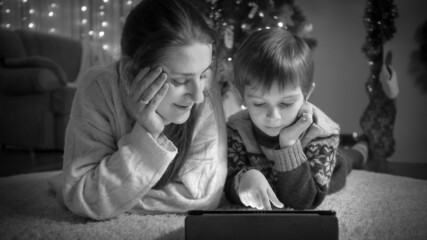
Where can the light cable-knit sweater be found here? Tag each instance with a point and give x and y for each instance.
(111, 163)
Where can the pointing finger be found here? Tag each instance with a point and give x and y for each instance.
(274, 199)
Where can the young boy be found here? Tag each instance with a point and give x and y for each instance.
(282, 149)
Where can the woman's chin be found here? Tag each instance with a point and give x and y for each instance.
(176, 120)
(181, 120)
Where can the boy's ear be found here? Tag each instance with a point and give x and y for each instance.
(310, 91)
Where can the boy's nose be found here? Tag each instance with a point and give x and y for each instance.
(273, 113)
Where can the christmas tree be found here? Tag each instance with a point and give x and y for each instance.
(233, 20)
(378, 119)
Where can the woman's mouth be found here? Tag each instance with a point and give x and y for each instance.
(183, 107)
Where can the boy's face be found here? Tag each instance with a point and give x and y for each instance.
(275, 109)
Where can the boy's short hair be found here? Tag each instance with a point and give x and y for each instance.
(271, 56)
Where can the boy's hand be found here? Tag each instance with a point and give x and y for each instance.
(289, 135)
(255, 191)
(146, 92)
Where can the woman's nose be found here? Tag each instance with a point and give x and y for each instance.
(195, 91)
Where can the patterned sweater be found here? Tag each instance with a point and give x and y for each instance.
(299, 174)
(111, 163)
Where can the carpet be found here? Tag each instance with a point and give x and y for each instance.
(371, 206)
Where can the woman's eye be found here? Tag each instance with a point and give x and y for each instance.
(258, 104)
(178, 82)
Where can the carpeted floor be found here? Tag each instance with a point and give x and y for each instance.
(371, 206)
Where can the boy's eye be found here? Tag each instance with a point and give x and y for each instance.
(258, 104)
(287, 104)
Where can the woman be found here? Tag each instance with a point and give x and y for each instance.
(147, 134)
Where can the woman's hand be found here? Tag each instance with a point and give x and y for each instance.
(289, 135)
(146, 92)
(255, 191)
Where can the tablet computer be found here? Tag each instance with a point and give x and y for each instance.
(261, 224)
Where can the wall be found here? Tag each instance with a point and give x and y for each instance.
(342, 69)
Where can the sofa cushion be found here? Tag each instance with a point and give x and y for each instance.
(11, 44)
(37, 61)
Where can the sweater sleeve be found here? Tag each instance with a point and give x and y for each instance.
(303, 176)
(238, 164)
(201, 181)
(105, 176)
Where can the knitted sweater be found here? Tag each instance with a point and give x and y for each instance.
(299, 174)
(111, 163)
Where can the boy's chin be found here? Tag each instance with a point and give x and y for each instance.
(271, 133)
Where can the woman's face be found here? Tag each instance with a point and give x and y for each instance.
(187, 68)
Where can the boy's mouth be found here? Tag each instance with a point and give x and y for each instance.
(273, 128)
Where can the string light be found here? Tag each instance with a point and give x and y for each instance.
(51, 9)
(94, 20)
(7, 12)
(85, 22)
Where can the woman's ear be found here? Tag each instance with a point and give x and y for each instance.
(310, 91)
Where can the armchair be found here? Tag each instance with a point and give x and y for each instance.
(35, 100)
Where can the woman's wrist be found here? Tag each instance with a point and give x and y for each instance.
(154, 135)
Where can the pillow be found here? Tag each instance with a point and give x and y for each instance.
(37, 61)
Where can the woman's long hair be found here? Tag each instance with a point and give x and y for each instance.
(150, 29)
